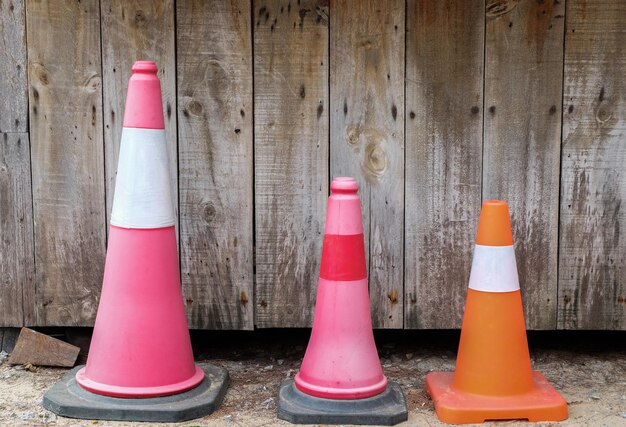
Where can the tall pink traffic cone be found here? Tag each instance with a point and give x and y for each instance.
(140, 346)
(341, 379)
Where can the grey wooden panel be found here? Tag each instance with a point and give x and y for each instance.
(131, 31)
(65, 105)
(13, 85)
(291, 156)
(592, 256)
(16, 219)
(215, 153)
(523, 80)
(444, 112)
(16, 228)
(367, 137)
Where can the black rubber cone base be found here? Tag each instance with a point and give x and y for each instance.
(68, 399)
(387, 408)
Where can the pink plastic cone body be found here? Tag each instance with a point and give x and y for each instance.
(140, 346)
(341, 361)
(144, 108)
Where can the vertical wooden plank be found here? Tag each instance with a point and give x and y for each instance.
(14, 99)
(592, 261)
(16, 224)
(367, 137)
(215, 152)
(65, 105)
(131, 31)
(16, 228)
(291, 156)
(523, 85)
(444, 112)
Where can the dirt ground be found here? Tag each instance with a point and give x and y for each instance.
(589, 369)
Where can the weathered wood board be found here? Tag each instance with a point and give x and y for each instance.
(522, 133)
(291, 156)
(592, 256)
(367, 137)
(215, 114)
(38, 349)
(16, 229)
(131, 31)
(444, 112)
(13, 85)
(65, 105)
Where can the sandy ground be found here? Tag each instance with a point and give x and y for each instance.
(588, 369)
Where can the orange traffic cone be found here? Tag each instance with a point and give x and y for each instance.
(140, 365)
(493, 378)
(341, 380)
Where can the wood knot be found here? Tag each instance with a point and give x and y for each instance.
(353, 135)
(42, 75)
(140, 17)
(208, 212)
(92, 83)
(195, 108)
(367, 44)
(393, 296)
(243, 298)
(603, 116)
(496, 8)
(375, 160)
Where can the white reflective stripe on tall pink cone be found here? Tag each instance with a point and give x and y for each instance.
(142, 196)
(494, 269)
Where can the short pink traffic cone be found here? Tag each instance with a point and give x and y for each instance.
(341, 379)
(141, 346)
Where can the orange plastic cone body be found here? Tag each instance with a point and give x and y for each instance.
(493, 378)
(341, 361)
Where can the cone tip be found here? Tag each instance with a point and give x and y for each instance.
(344, 185)
(494, 225)
(144, 67)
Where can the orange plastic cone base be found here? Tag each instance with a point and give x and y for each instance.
(541, 403)
(493, 378)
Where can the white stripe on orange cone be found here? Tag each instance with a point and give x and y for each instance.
(494, 269)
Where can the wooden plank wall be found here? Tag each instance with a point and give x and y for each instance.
(66, 129)
(522, 140)
(367, 137)
(592, 274)
(444, 107)
(432, 106)
(16, 223)
(290, 157)
(215, 164)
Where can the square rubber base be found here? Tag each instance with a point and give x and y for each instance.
(543, 403)
(68, 399)
(387, 408)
